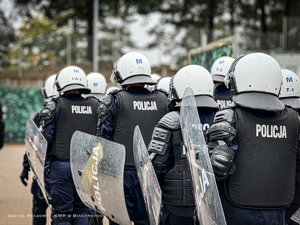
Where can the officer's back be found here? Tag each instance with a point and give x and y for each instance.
(254, 144)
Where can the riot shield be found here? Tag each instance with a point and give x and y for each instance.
(97, 167)
(147, 177)
(296, 216)
(207, 200)
(36, 149)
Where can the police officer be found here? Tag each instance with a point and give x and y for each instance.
(2, 126)
(170, 162)
(218, 71)
(39, 204)
(254, 144)
(60, 118)
(121, 111)
(289, 95)
(97, 83)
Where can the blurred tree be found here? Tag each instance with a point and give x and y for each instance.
(7, 37)
(39, 45)
(81, 15)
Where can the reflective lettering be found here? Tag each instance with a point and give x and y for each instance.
(139, 61)
(96, 187)
(144, 105)
(77, 109)
(271, 131)
(289, 79)
(204, 183)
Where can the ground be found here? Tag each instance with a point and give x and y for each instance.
(15, 198)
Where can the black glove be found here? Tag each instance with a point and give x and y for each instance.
(222, 162)
(23, 176)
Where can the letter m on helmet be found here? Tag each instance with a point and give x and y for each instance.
(139, 61)
(76, 71)
(289, 79)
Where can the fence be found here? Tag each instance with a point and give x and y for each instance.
(18, 104)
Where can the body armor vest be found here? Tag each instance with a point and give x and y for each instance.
(72, 116)
(178, 186)
(223, 97)
(142, 110)
(265, 160)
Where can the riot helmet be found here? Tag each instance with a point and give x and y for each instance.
(132, 68)
(290, 89)
(220, 68)
(48, 90)
(199, 80)
(255, 79)
(155, 77)
(163, 83)
(96, 82)
(71, 78)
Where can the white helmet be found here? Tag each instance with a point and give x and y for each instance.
(220, 68)
(155, 77)
(111, 88)
(132, 68)
(199, 80)
(71, 78)
(255, 79)
(290, 89)
(96, 82)
(163, 83)
(48, 90)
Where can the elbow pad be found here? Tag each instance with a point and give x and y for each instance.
(104, 109)
(47, 115)
(222, 128)
(162, 133)
(222, 162)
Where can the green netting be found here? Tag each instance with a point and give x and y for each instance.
(18, 104)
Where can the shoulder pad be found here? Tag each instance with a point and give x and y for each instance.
(107, 100)
(222, 128)
(170, 121)
(115, 91)
(105, 106)
(47, 114)
(224, 115)
(51, 106)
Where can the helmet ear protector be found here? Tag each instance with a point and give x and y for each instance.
(230, 78)
(117, 75)
(56, 83)
(43, 90)
(172, 92)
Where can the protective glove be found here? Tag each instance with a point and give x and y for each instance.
(24, 176)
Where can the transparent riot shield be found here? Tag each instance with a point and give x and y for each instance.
(207, 200)
(97, 167)
(147, 177)
(36, 149)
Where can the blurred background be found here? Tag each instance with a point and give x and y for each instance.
(40, 37)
